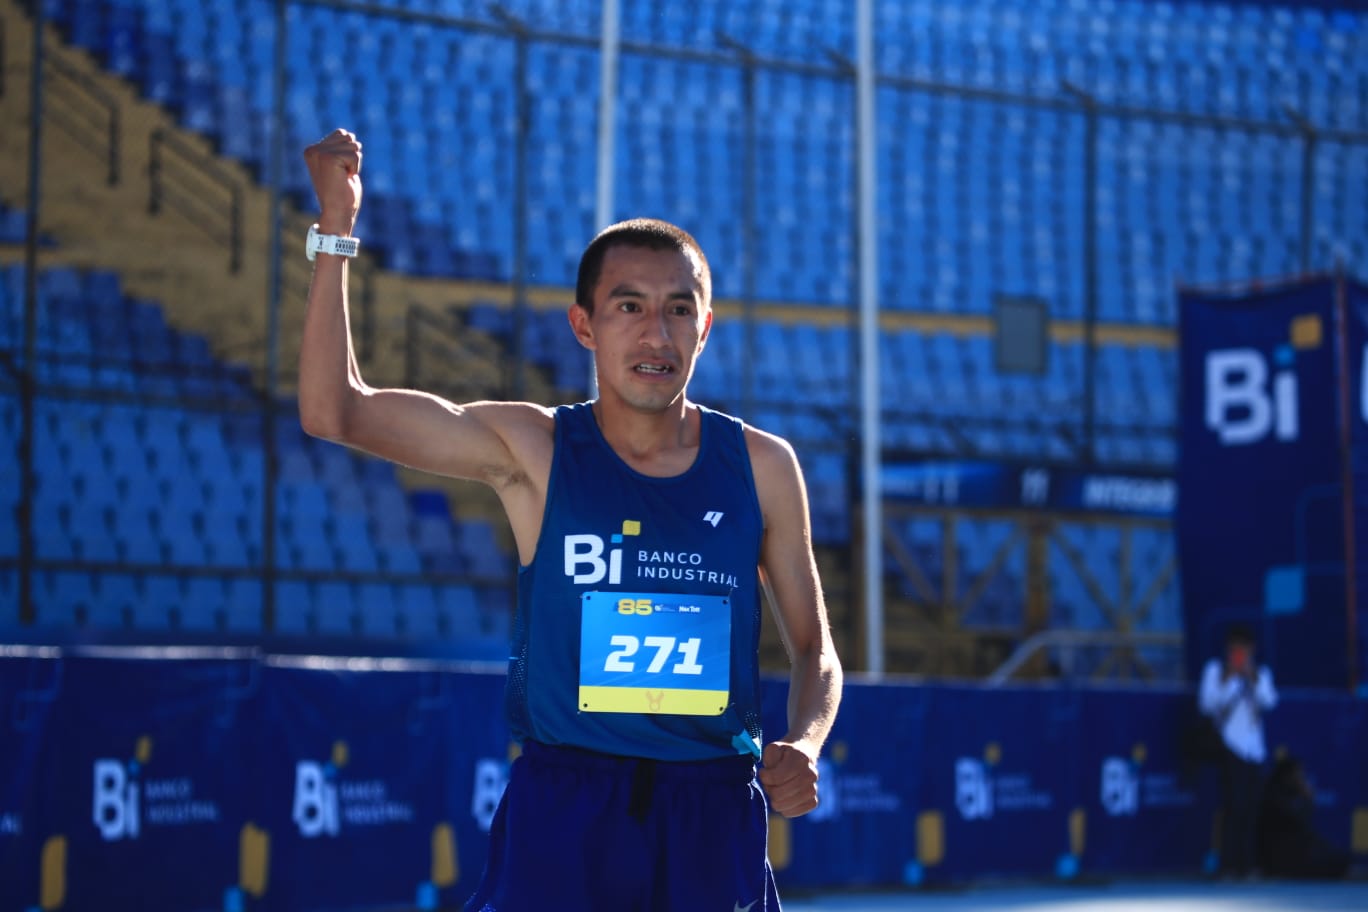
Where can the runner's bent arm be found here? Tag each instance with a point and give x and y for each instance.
(476, 441)
(790, 574)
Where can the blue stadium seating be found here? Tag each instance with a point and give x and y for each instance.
(976, 197)
(928, 379)
(171, 496)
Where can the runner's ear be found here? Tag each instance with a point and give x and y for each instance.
(707, 327)
(579, 324)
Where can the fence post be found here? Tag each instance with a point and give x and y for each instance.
(1089, 272)
(235, 230)
(270, 464)
(154, 170)
(1310, 138)
(749, 248)
(411, 331)
(115, 123)
(27, 374)
(523, 121)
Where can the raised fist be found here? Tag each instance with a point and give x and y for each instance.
(335, 168)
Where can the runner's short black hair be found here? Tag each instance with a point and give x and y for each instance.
(653, 234)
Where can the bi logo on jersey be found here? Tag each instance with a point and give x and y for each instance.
(586, 562)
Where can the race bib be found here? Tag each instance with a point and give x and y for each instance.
(647, 652)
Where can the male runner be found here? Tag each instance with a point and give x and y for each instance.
(645, 527)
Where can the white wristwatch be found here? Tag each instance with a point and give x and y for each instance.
(329, 243)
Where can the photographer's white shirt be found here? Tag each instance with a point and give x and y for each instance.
(1237, 707)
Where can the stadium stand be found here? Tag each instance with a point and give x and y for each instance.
(1001, 211)
(980, 196)
(450, 90)
(163, 502)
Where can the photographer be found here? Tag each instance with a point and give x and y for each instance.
(1235, 693)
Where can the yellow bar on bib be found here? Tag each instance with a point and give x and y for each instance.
(671, 701)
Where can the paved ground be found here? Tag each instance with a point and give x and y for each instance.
(1166, 897)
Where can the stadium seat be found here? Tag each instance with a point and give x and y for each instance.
(62, 599)
(417, 611)
(160, 603)
(295, 611)
(356, 552)
(376, 609)
(335, 611)
(242, 606)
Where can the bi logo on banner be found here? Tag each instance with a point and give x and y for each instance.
(973, 789)
(491, 778)
(1241, 406)
(316, 808)
(1246, 400)
(1120, 787)
(116, 799)
(116, 792)
(315, 799)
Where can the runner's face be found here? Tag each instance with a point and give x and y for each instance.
(650, 321)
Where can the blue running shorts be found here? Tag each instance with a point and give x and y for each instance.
(578, 831)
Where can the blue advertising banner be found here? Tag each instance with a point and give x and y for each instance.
(148, 779)
(1005, 486)
(1260, 530)
(1146, 810)
(476, 756)
(353, 788)
(1004, 780)
(938, 785)
(1328, 734)
(32, 857)
(261, 784)
(941, 785)
(865, 825)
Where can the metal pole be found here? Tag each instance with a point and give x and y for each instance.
(750, 232)
(851, 446)
(610, 39)
(1089, 273)
(524, 128)
(1308, 187)
(868, 239)
(1347, 492)
(273, 281)
(28, 372)
(749, 228)
(609, 46)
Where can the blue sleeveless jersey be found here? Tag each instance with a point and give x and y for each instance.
(611, 537)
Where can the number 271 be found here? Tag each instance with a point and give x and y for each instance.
(664, 646)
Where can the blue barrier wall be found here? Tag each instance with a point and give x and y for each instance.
(247, 782)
